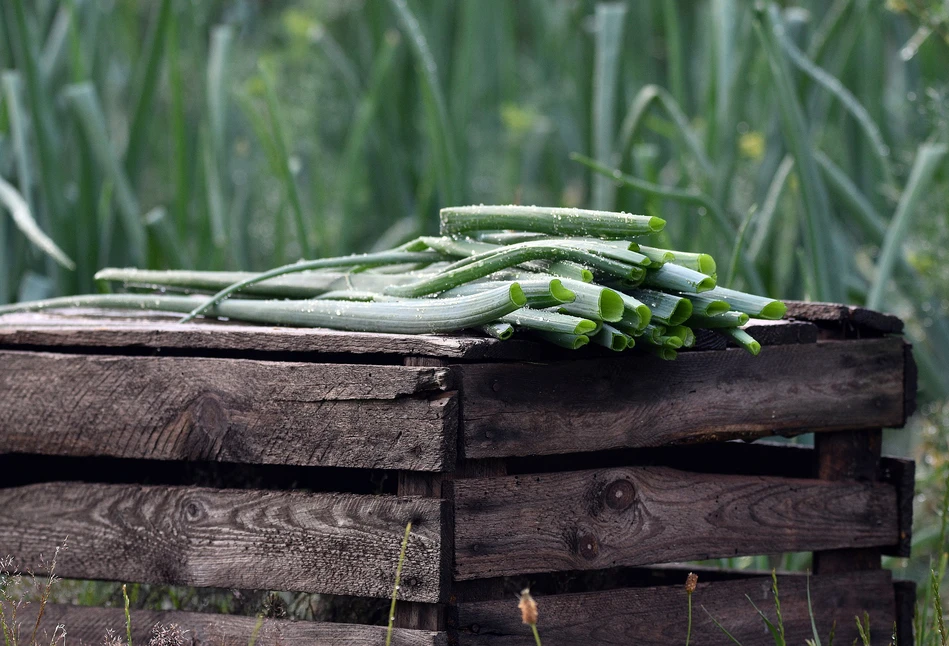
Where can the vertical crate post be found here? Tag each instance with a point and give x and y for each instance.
(848, 455)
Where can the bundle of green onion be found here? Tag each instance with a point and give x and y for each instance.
(567, 276)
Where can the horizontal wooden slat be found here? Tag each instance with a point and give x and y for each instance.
(783, 332)
(595, 519)
(126, 330)
(229, 410)
(636, 401)
(120, 329)
(850, 318)
(272, 540)
(88, 625)
(657, 616)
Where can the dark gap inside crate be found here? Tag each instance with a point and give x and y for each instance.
(23, 469)
(212, 353)
(734, 457)
(599, 580)
(248, 603)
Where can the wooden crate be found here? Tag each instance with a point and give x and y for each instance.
(588, 475)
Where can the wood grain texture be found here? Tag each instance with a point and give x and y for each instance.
(153, 330)
(851, 319)
(595, 519)
(657, 616)
(88, 625)
(271, 540)
(144, 331)
(901, 474)
(849, 456)
(579, 406)
(228, 410)
(783, 332)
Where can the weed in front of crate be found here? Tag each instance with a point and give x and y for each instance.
(13, 589)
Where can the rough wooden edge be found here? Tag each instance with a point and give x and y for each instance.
(910, 381)
(490, 389)
(131, 331)
(905, 593)
(902, 474)
(847, 456)
(783, 332)
(859, 318)
(88, 625)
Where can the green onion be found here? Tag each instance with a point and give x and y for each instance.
(636, 310)
(500, 331)
(593, 301)
(658, 256)
(742, 338)
(683, 332)
(700, 262)
(509, 237)
(301, 285)
(539, 292)
(555, 221)
(664, 353)
(549, 321)
(419, 316)
(757, 306)
(708, 303)
(612, 338)
(726, 320)
(653, 333)
(666, 308)
(562, 268)
(669, 341)
(569, 341)
(678, 278)
(482, 265)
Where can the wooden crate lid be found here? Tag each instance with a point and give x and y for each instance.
(152, 330)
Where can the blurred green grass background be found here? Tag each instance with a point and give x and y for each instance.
(801, 143)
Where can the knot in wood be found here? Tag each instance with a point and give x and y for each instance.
(193, 511)
(620, 495)
(589, 547)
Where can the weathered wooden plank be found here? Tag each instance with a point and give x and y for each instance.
(595, 519)
(783, 332)
(902, 474)
(656, 616)
(110, 329)
(88, 625)
(231, 410)
(849, 456)
(249, 539)
(905, 592)
(851, 318)
(580, 406)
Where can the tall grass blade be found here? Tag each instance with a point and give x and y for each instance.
(147, 77)
(398, 580)
(279, 145)
(765, 221)
(358, 135)
(928, 158)
(179, 146)
(850, 103)
(13, 95)
(635, 116)
(436, 111)
(20, 212)
(84, 102)
(609, 40)
(828, 279)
